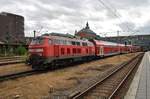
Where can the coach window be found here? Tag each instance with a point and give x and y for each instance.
(85, 44)
(55, 41)
(62, 42)
(59, 42)
(68, 42)
(50, 41)
(78, 43)
(65, 42)
(82, 44)
(73, 43)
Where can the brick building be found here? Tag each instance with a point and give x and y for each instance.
(11, 28)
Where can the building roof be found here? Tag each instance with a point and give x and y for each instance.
(87, 30)
(7, 14)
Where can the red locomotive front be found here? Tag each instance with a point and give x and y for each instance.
(47, 51)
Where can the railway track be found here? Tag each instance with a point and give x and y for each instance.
(3, 60)
(17, 75)
(107, 87)
(12, 60)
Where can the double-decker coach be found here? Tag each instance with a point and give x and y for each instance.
(104, 48)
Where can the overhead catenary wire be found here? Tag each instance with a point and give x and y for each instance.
(115, 13)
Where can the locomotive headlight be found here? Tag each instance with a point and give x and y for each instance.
(39, 50)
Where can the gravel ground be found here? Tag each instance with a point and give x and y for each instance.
(39, 86)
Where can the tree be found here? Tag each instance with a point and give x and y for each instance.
(21, 50)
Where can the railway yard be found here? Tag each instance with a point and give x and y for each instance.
(84, 80)
(46, 52)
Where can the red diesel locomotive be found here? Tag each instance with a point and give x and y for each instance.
(47, 51)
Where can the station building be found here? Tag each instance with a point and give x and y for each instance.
(86, 33)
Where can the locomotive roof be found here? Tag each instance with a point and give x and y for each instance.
(71, 39)
(66, 38)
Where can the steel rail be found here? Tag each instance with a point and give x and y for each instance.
(11, 62)
(78, 95)
(125, 78)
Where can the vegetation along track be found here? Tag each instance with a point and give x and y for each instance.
(107, 87)
(17, 75)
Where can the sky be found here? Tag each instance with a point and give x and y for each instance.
(105, 17)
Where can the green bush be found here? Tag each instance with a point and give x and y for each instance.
(21, 50)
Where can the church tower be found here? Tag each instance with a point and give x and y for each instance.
(87, 26)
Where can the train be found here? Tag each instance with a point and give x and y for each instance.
(48, 51)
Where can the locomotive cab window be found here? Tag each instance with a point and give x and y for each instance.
(84, 44)
(37, 40)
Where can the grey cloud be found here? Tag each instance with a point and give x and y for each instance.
(126, 4)
(72, 4)
(127, 26)
(144, 29)
(72, 14)
(111, 15)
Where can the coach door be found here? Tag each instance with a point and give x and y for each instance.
(56, 50)
(101, 51)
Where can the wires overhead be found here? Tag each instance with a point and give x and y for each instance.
(114, 12)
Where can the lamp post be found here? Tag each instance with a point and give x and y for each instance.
(118, 41)
(34, 33)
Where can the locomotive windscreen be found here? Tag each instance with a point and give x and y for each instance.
(37, 40)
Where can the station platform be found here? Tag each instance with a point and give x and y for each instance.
(140, 86)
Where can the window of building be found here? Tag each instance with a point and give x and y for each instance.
(50, 41)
